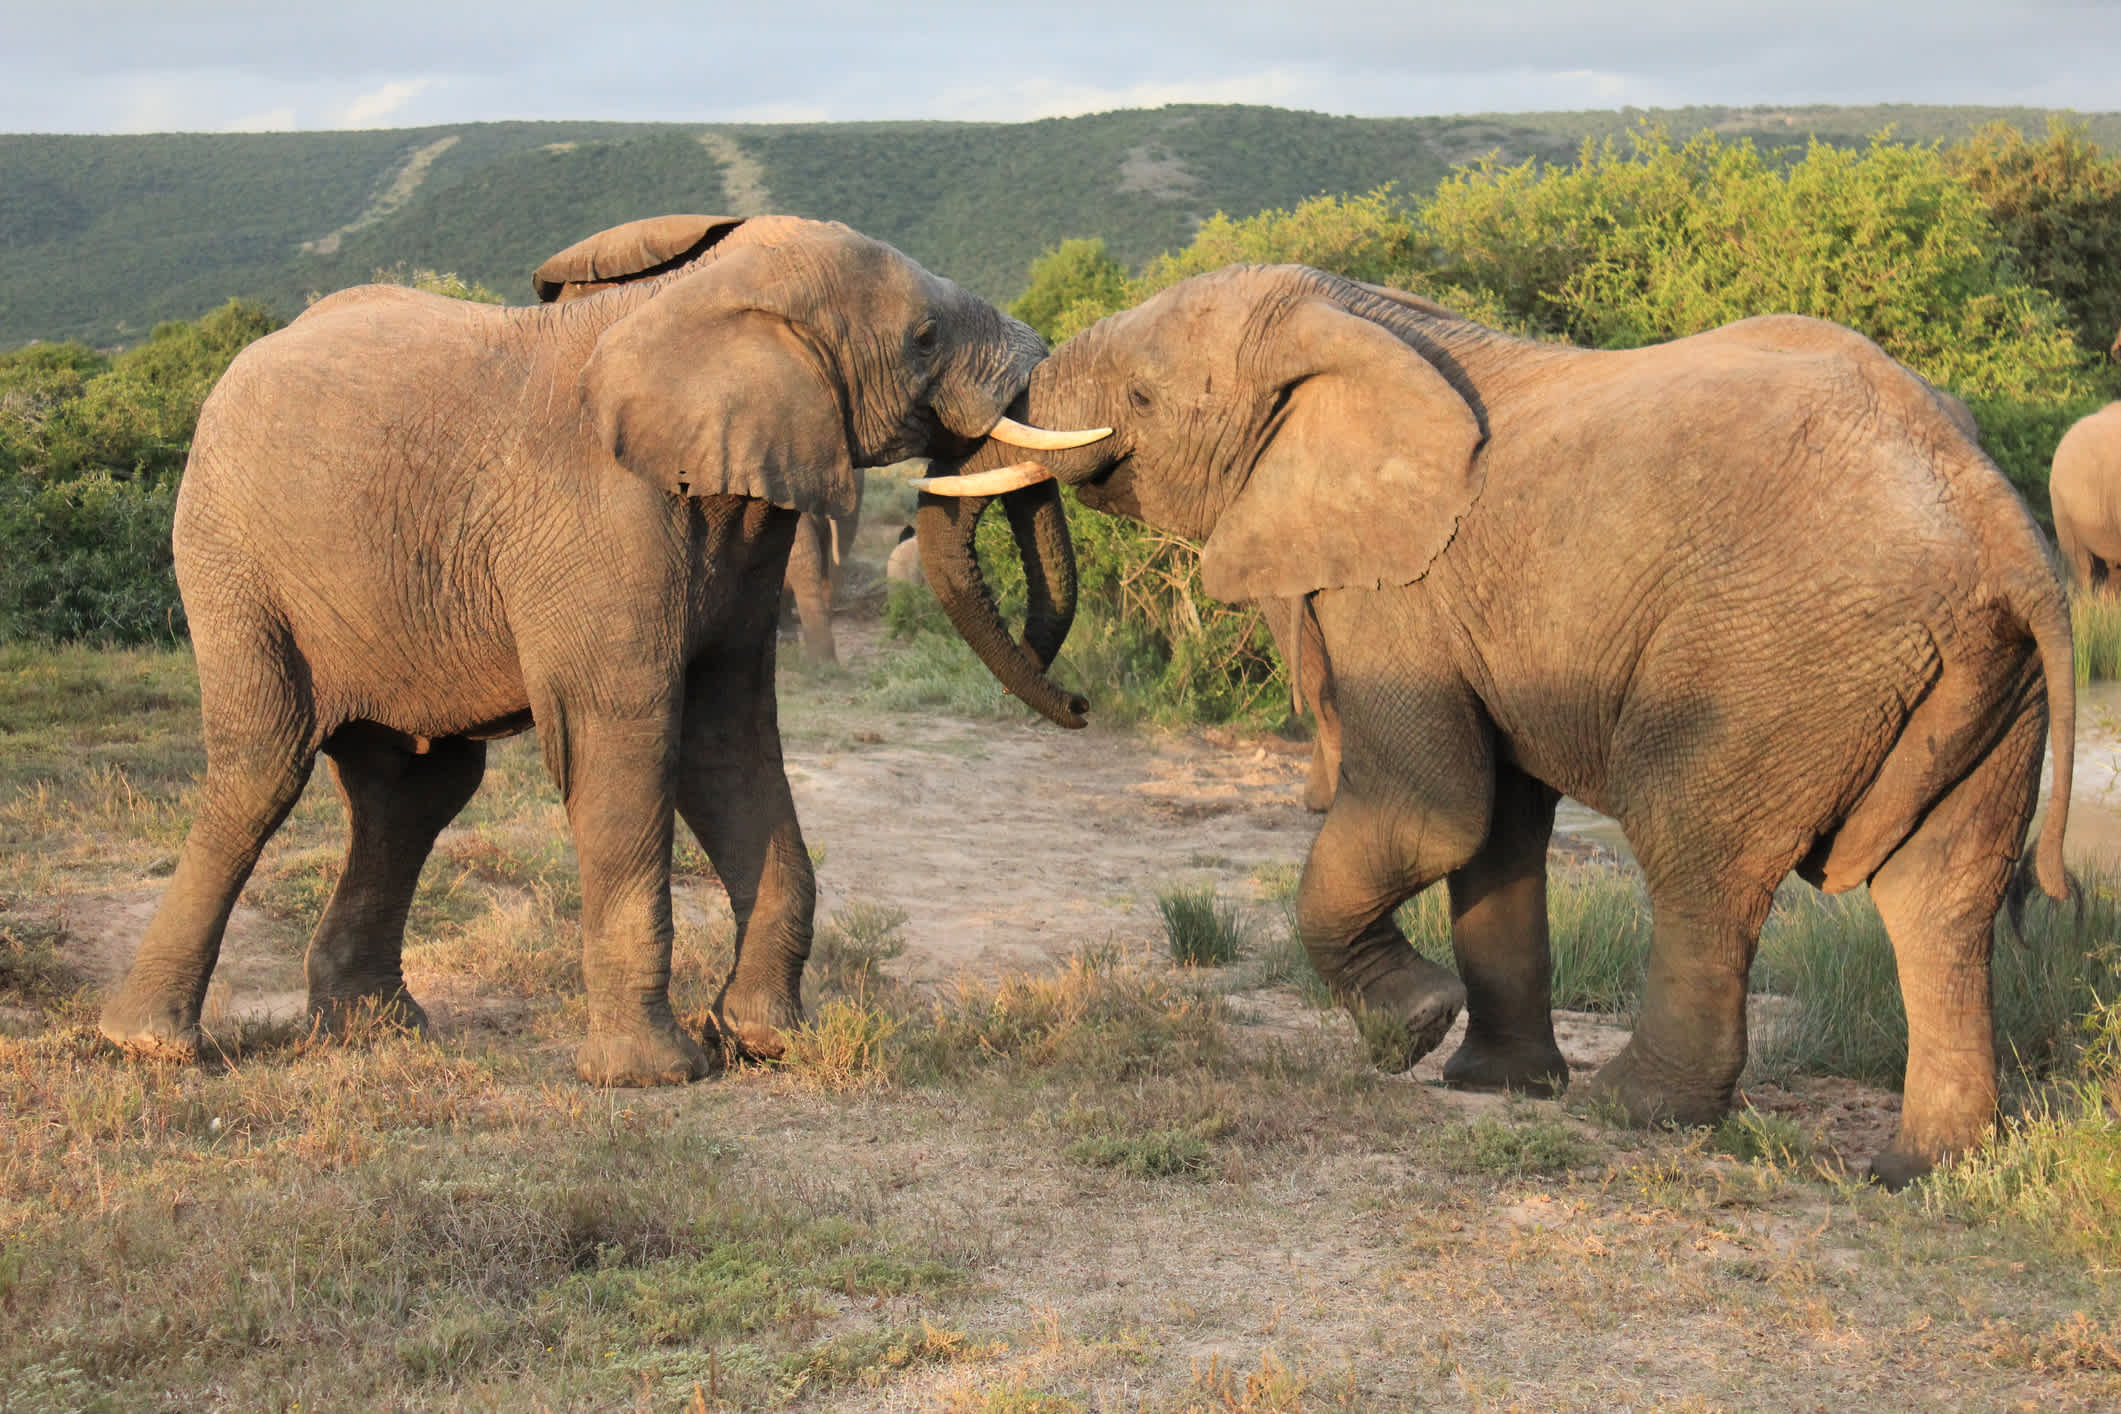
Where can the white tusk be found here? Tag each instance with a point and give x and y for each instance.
(1038, 439)
(985, 483)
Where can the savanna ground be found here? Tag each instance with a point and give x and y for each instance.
(1021, 1162)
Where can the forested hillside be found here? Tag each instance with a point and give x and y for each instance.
(105, 236)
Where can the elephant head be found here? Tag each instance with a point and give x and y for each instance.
(1294, 421)
(917, 367)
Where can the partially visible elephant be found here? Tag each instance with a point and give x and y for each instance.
(411, 524)
(904, 566)
(1750, 593)
(2084, 490)
(641, 250)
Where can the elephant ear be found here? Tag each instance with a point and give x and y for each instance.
(710, 388)
(633, 251)
(1368, 467)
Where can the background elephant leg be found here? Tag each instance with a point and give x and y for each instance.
(615, 773)
(259, 752)
(1499, 935)
(1368, 860)
(1938, 895)
(396, 803)
(810, 579)
(733, 792)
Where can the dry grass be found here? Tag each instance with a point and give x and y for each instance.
(1114, 1184)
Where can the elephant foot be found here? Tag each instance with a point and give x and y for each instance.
(639, 1057)
(1532, 1069)
(162, 1024)
(344, 1013)
(1648, 1095)
(1406, 1013)
(755, 1023)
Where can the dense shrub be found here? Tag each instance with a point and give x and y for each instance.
(1651, 242)
(2057, 203)
(91, 449)
(87, 558)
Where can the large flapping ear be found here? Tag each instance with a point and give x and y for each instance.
(708, 389)
(633, 251)
(1363, 480)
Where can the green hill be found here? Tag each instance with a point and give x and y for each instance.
(104, 236)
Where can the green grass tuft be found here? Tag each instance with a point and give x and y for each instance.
(1493, 1146)
(1202, 930)
(2095, 631)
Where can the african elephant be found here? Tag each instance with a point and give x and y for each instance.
(1750, 593)
(640, 250)
(2084, 488)
(411, 524)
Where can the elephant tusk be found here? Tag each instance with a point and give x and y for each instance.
(985, 483)
(1039, 439)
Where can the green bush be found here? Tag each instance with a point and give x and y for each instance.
(91, 449)
(1653, 242)
(2057, 203)
(88, 559)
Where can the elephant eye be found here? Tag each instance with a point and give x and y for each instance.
(926, 335)
(1139, 397)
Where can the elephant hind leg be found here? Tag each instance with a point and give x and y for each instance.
(1938, 895)
(397, 802)
(259, 730)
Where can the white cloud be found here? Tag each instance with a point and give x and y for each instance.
(365, 111)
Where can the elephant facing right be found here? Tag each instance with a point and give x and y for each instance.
(1751, 593)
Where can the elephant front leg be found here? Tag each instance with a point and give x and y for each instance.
(1499, 936)
(617, 778)
(1359, 872)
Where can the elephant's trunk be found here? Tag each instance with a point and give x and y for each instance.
(945, 528)
(1039, 523)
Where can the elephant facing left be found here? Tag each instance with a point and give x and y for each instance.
(412, 524)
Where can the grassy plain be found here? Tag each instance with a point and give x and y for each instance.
(1102, 1181)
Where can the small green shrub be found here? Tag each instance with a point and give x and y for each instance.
(1202, 930)
(1756, 1137)
(1159, 1153)
(1490, 1145)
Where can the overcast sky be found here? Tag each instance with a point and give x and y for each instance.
(184, 65)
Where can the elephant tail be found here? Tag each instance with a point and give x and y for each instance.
(2047, 615)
